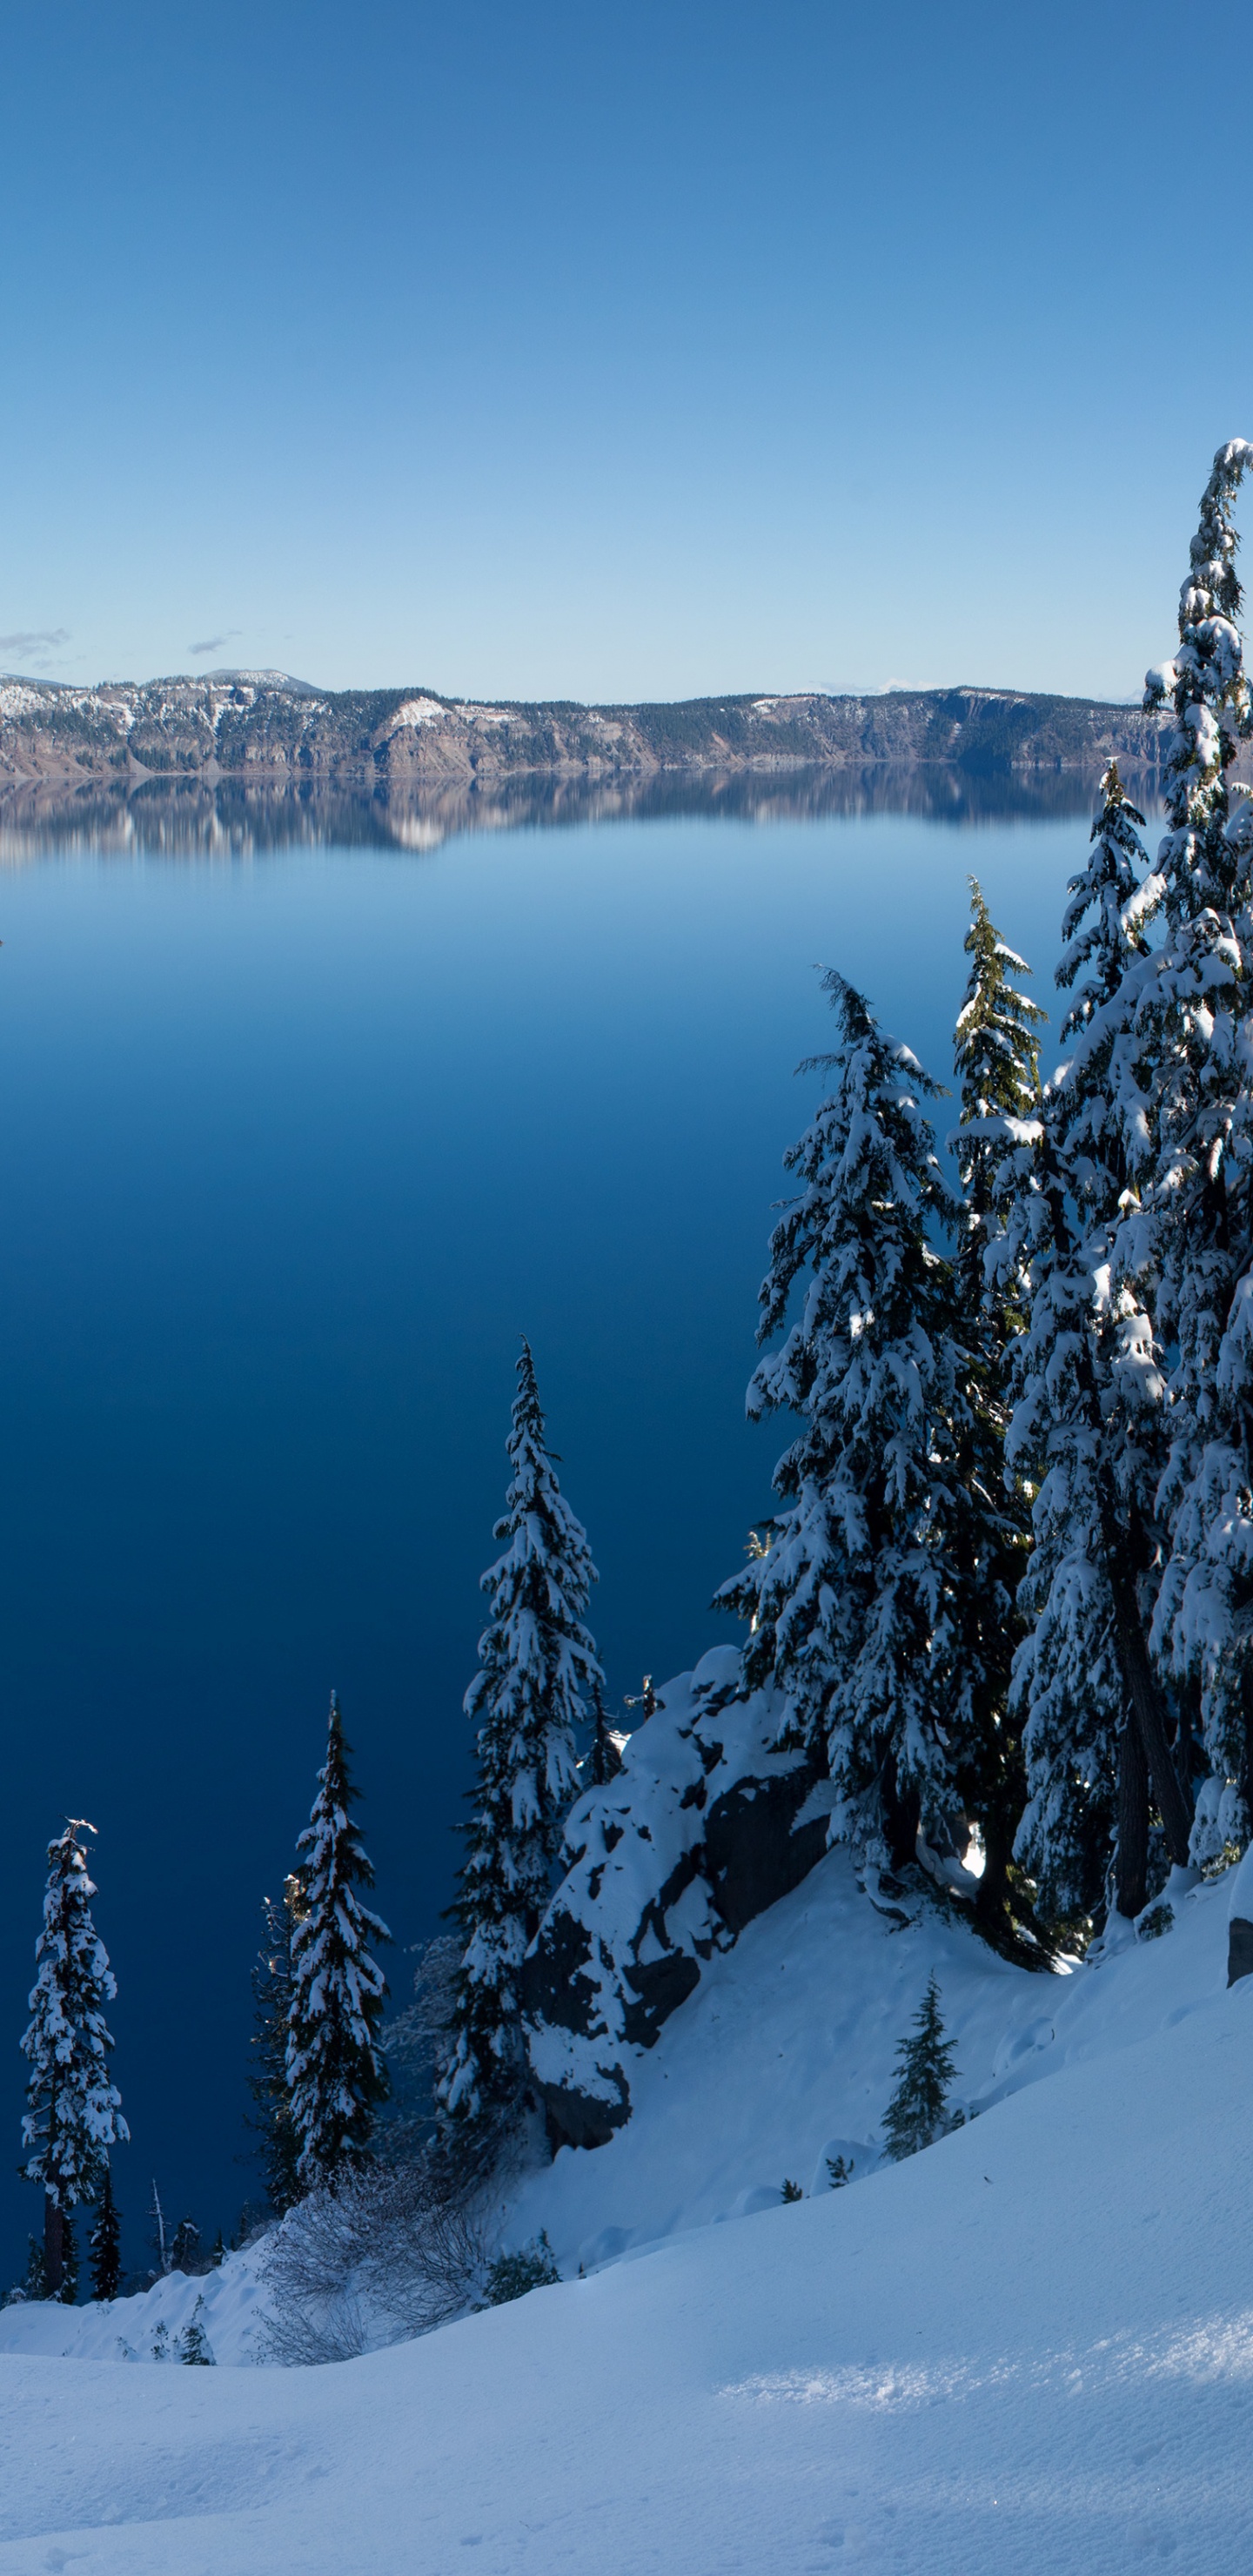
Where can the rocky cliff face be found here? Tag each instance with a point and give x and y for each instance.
(707, 1824)
(264, 726)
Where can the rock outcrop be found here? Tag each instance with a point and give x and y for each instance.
(706, 1825)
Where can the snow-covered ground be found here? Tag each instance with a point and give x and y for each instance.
(785, 2055)
(1028, 2351)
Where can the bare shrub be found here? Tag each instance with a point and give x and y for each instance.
(415, 2042)
(392, 2252)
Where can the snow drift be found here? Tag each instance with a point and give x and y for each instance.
(1026, 2352)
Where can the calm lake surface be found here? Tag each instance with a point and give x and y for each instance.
(296, 1141)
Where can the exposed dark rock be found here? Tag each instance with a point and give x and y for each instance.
(1239, 1949)
(666, 1864)
(754, 1851)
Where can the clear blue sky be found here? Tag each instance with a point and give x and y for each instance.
(612, 352)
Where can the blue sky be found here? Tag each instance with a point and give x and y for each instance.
(613, 353)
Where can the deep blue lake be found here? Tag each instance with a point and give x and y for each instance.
(296, 1140)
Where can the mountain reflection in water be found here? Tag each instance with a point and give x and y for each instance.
(243, 817)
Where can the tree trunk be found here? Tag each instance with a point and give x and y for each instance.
(1147, 1704)
(1132, 1854)
(54, 2247)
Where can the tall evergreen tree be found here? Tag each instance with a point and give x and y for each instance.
(267, 2082)
(1087, 1426)
(538, 1673)
(335, 2072)
(105, 2244)
(73, 2111)
(1191, 1231)
(852, 1603)
(996, 1060)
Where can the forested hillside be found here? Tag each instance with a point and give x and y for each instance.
(264, 725)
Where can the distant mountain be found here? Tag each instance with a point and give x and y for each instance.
(266, 726)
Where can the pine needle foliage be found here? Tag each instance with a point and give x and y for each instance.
(996, 1063)
(1087, 1425)
(538, 1673)
(511, 2276)
(996, 1059)
(917, 2114)
(335, 2072)
(193, 2346)
(852, 1603)
(105, 2244)
(73, 2111)
(267, 2081)
(1191, 1229)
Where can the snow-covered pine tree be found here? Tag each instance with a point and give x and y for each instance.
(105, 2243)
(996, 1062)
(1193, 1229)
(193, 2346)
(267, 2082)
(851, 1603)
(335, 2072)
(996, 1058)
(918, 2114)
(1087, 1425)
(602, 1761)
(74, 2111)
(538, 1673)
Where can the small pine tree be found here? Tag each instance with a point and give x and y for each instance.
(105, 2244)
(791, 2190)
(538, 1672)
(267, 2082)
(193, 2346)
(916, 2114)
(512, 2275)
(602, 1761)
(335, 2070)
(185, 2247)
(35, 2285)
(74, 2110)
(996, 1057)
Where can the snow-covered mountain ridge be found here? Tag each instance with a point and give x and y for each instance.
(264, 725)
(1028, 2351)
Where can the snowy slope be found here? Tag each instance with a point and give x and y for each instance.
(782, 2058)
(1028, 2352)
(232, 2315)
(785, 2055)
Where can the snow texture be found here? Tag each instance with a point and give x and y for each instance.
(1026, 2352)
